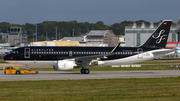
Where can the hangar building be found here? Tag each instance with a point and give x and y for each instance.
(178, 28)
(136, 35)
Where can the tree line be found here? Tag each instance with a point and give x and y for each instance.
(65, 29)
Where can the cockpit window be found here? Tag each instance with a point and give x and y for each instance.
(14, 52)
(11, 52)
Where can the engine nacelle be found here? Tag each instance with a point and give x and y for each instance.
(64, 65)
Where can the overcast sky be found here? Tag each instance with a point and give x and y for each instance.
(108, 11)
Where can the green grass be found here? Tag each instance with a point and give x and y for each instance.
(123, 89)
(159, 62)
(2, 61)
(109, 68)
(132, 89)
(143, 67)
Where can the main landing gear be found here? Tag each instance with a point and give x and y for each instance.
(85, 71)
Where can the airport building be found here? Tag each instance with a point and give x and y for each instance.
(178, 28)
(55, 43)
(12, 39)
(122, 40)
(172, 44)
(100, 38)
(136, 35)
(79, 39)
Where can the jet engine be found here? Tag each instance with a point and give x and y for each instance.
(65, 65)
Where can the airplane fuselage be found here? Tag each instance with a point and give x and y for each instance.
(49, 55)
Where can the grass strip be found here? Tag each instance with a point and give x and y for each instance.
(2, 61)
(131, 89)
(109, 68)
(158, 62)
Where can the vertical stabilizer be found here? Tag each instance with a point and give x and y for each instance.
(159, 38)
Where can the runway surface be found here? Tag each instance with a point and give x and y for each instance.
(59, 75)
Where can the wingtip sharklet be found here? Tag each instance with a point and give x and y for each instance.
(115, 48)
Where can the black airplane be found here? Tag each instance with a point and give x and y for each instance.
(67, 58)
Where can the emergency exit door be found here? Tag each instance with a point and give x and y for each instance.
(140, 53)
(27, 53)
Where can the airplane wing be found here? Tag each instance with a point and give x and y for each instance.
(85, 60)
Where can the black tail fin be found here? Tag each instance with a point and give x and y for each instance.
(159, 38)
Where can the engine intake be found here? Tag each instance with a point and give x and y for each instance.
(64, 65)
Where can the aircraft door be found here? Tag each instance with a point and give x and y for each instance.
(27, 53)
(70, 53)
(140, 53)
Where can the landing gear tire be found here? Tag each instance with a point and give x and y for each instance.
(82, 71)
(85, 71)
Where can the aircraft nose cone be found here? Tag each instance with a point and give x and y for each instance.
(6, 57)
